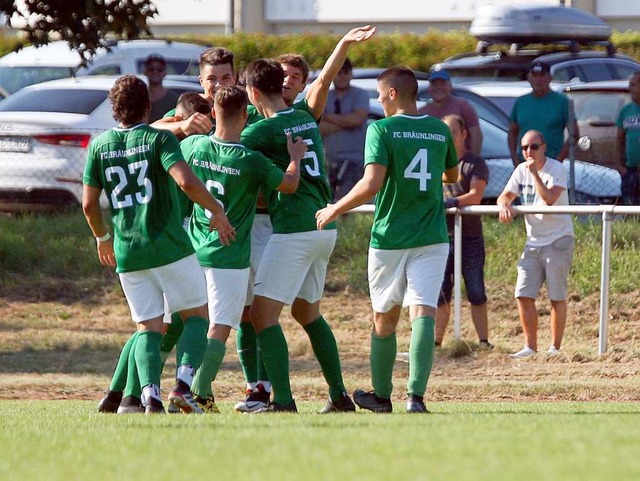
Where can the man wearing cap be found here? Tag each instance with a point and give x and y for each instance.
(162, 99)
(544, 110)
(443, 103)
(343, 129)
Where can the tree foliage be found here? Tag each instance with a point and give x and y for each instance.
(84, 24)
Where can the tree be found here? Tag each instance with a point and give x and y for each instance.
(84, 24)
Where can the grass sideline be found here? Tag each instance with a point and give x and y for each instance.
(63, 440)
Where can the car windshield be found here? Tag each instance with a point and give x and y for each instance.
(71, 101)
(13, 79)
(597, 107)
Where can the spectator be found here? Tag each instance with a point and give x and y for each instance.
(543, 110)
(629, 143)
(162, 99)
(343, 128)
(548, 252)
(443, 103)
(468, 190)
(408, 248)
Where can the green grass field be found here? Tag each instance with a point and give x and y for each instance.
(68, 440)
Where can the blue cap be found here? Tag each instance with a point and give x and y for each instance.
(438, 72)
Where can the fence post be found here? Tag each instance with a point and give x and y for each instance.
(457, 274)
(572, 153)
(605, 266)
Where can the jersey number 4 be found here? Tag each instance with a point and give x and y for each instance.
(122, 178)
(418, 169)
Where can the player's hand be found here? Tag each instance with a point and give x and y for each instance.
(506, 213)
(326, 216)
(360, 34)
(226, 232)
(296, 149)
(105, 253)
(196, 124)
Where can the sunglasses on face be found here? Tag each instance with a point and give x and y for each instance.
(531, 146)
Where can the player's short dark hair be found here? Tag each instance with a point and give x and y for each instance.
(216, 56)
(266, 75)
(191, 102)
(230, 101)
(402, 79)
(129, 98)
(296, 61)
(459, 119)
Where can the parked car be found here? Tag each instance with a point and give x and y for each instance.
(597, 106)
(33, 65)
(45, 130)
(594, 184)
(565, 30)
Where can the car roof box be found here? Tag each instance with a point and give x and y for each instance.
(537, 24)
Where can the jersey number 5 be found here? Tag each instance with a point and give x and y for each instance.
(145, 188)
(314, 168)
(219, 188)
(418, 169)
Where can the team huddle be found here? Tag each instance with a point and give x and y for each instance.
(251, 181)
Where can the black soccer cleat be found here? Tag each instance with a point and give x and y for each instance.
(279, 408)
(130, 405)
(369, 400)
(343, 405)
(154, 406)
(110, 402)
(415, 404)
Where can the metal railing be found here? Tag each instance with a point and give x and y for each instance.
(607, 213)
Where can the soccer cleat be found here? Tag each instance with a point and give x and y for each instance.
(154, 406)
(256, 399)
(130, 405)
(278, 408)
(173, 409)
(110, 402)
(525, 352)
(181, 398)
(208, 404)
(369, 400)
(415, 404)
(344, 405)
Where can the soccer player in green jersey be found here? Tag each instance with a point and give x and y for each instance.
(293, 266)
(236, 175)
(139, 167)
(407, 156)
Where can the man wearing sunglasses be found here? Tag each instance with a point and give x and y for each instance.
(548, 252)
(162, 99)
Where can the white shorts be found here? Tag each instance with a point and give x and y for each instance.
(181, 284)
(295, 265)
(260, 233)
(227, 293)
(406, 277)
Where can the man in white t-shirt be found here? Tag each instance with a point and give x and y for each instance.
(549, 249)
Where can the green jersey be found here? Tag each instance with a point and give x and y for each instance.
(132, 166)
(416, 150)
(293, 212)
(234, 175)
(629, 121)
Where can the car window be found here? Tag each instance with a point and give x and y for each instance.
(113, 69)
(72, 101)
(595, 71)
(494, 141)
(13, 79)
(624, 70)
(176, 67)
(598, 107)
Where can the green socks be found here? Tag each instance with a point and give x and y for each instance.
(193, 342)
(171, 337)
(147, 357)
(213, 356)
(420, 354)
(276, 359)
(119, 379)
(325, 348)
(382, 358)
(246, 343)
(133, 387)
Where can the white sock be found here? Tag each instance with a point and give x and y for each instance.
(185, 374)
(266, 385)
(151, 391)
(251, 386)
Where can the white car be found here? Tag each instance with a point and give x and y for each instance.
(33, 65)
(45, 130)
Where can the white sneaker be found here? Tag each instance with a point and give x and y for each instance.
(526, 352)
(553, 351)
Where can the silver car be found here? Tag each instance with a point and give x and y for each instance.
(45, 130)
